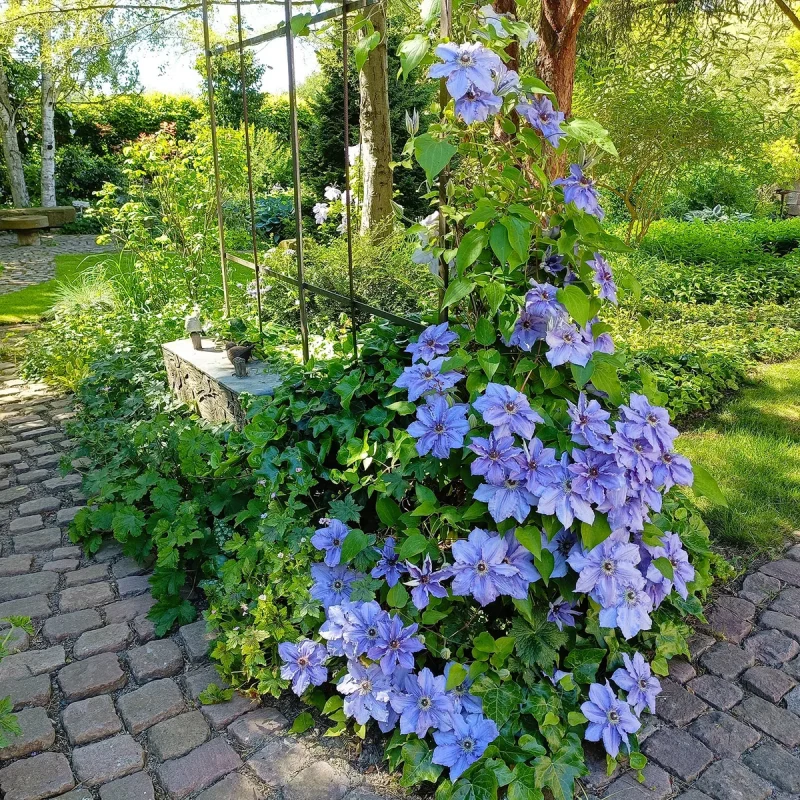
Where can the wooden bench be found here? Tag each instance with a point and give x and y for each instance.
(56, 216)
(26, 227)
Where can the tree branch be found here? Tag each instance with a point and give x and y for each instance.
(793, 18)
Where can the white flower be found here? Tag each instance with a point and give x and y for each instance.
(492, 19)
(332, 193)
(262, 597)
(528, 39)
(321, 211)
(420, 256)
(353, 154)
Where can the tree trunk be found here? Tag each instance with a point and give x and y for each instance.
(559, 21)
(376, 138)
(11, 153)
(48, 139)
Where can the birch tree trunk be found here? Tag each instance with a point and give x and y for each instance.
(11, 153)
(376, 138)
(48, 139)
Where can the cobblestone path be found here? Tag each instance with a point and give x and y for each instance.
(106, 709)
(25, 266)
(109, 711)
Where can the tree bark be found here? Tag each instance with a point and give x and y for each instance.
(11, 153)
(48, 139)
(559, 21)
(376, 138)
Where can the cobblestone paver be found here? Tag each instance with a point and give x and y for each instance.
(108, 711)
(25, 266)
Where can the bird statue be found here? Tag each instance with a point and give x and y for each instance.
(234, 351)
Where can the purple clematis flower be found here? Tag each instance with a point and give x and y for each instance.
(332, 630)
(439, 427)
(468, 65)
(465, 744)
(636, 455)
(610, 719)
(541, 114)
(595, 474)
(528, 329)
(463, 701)
(496, 457)
(508, 498)
(507, 411)
(561, 499)
(332, 585)
(639, 682)
(388, 565)
(604, 278)
(360, 630)
(506, 81)
(303, 664)
(424, 704)
(476, 106)
(426, 582)
(562, 545)
(433, 341)
(521, 558)
(395, 645)
(541, 301)
(567, 345)
(672, 469)
(479, 563)
(632, 612)
(562, 613)
(683, 571)
(579, 190)
(537, 466)
(607, 569)
(422, 378)
(649, 422)
(330, 540)
(602, 343)
(366, 691)
(552, 263)
(589, 425)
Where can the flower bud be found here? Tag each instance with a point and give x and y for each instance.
(412, 122)
(445, 653)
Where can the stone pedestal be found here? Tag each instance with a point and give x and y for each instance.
(204, 379)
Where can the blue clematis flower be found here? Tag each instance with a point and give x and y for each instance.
(366, 691)
(632, 612)
(389, 565)
(528, 329)
(476, 106)
(439, 427)
(479, 564)
(466, 66)
(426, 582)
(589, 424)
(422, 378)
(496, 457)
(520, 557)
(562, 613)
(561, 499)
(424, 704)
(395, 645)
(606, 570)
(332, 585)
(507, 498)
(561, 546)
(642, 420)
(610, 719)
(639, 682)
(330, 540)
(541, 114)
(433, 341)
(683, 571)
(672, 469)
(595, 474)
(604, 278)
(579, 189)
(567, 345)
(303, 664)
(537, 466)
(463, 701)
(464, 744)
(360, 630)
(541, 301)
(507, 411)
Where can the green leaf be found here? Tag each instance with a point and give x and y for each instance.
(456, 676)
(456, 291)
(664, 566)
(472, 245)
(489, 361)
(519, 235)
(417, 764)
(596, 533)
(605, 379)
(413, 546)
(650, 387)
(347, 387)
(494, 292)
(302, 723)
(397, 596)
(582, 374)
(364, 47)
(576, 301)
(531, 539)
(485, 333)
(638, 761)
(411, 52)
(576, 718)
(484, 211)
(705, 486)
(128, 522)
(432, 154)
(584, 663)
(500, 702)
(558, 776)
(592, 132)
(388, 511)
(482, 786)
(523, 787)
(299, 24)
(498, 241)
(353, 544)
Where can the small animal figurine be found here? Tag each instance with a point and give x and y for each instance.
(194, 327)
(239, 367)
(235, 351)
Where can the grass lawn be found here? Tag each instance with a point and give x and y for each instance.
(30, 303)
(752, 447)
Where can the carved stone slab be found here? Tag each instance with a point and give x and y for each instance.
(204, 379)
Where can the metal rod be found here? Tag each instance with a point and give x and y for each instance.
(212, 115)
(347, 199)
(280, 29)
(444, 269)
(339, 298)
(298, 210)
(246, 120)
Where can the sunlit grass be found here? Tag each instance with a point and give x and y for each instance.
(752, 447)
